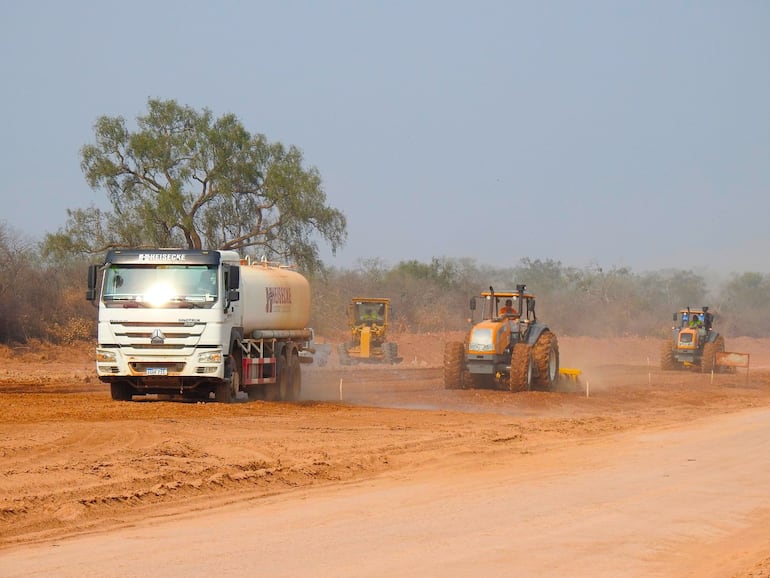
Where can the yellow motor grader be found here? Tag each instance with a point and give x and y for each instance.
(507, 349)
(368, 321)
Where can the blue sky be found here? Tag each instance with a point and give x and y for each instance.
(584, 132)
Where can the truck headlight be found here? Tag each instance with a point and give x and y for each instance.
(105, 356)
(210, 357)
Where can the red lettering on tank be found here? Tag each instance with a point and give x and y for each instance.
(276, 296)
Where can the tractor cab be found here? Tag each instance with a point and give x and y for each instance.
(501, 325)
(495, 305)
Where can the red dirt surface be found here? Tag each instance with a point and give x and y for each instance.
(72, 461)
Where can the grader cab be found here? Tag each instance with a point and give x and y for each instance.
(368, 322)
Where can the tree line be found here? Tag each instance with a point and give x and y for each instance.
(183, 178)
(42, 297)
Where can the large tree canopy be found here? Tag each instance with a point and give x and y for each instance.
(187, 179)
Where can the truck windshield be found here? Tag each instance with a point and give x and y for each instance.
(165, 286)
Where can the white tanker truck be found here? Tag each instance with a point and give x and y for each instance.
(190, 323)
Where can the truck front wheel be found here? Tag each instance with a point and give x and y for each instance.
(227, 390)
(121, 391)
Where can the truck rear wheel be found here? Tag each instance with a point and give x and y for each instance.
(521, 368)
(454, 356)
(290, 377)
(546, 357)
(121, 391)
(296, 382)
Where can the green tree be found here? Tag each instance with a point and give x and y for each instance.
(185, 178)
(745, 306)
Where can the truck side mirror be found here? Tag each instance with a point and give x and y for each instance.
(233, 275)
(91, 290)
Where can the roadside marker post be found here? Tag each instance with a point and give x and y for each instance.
(649, 373)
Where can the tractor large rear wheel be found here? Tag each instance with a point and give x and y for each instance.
(521, 368)
(454, 357)
(667, 361)
(545, 353)
(710, 350)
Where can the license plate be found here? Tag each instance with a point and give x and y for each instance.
(157, 371)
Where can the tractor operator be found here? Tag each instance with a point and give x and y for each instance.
(508, 309)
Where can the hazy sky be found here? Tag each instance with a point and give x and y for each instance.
(616, 133)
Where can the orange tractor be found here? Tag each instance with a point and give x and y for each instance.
(694, 342)
(506, 349)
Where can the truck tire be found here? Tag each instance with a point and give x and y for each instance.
(521, 368)
(121, 391)
(667, 361)
(710, 350)
(236, 372)
(294, 385)
(223, 393)
(545, 353)
(289, 377)
(454, 358)
(227, 390)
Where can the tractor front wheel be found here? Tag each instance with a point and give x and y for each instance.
(454, 357)
(708, 361)
(521, 368)
(667, 361)
(546, 356)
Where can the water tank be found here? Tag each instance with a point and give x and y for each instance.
(273, 298)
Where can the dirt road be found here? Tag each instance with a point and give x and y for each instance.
(651, 473)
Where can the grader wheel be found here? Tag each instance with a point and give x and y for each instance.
(545, 353)
(521, 368)
(454, 356)
(390, 352)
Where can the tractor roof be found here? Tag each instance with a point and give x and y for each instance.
(505, 294)
(694, 309)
